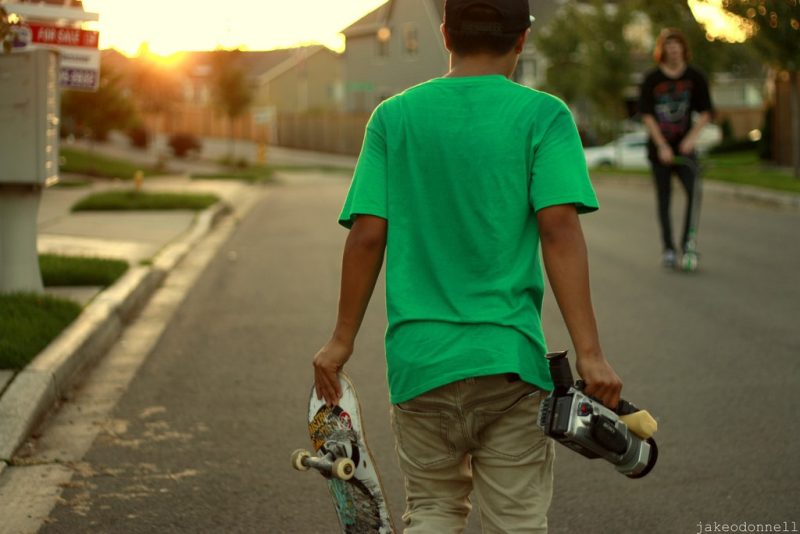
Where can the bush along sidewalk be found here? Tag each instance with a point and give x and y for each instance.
(137, 200)
(30, 321)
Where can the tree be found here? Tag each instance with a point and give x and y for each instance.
(609, 62)
(776, 37)
(97, 113)
(231, 89)
(562, 44)
(157, 87)
(6, 34)
(589, 63)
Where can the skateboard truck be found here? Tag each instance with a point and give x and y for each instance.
(328, 464)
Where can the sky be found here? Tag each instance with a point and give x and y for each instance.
(178, 25)
(169, 26)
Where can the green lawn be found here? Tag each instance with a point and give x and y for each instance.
(77, 271)
(747, 169)
(744, 168)
(133, 200)
(29, 323)
(90, 164)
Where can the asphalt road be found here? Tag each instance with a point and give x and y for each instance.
(200, 441)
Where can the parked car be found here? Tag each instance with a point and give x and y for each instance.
(629, 151)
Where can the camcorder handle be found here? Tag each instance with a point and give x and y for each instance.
(562, 380)
(560, 372)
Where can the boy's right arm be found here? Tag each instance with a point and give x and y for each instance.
(665, 153)
(566, 262)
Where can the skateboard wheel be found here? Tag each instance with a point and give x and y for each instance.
(343, 469)
(689, 262)
(297, 459)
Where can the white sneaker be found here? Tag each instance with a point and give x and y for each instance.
(668, 259)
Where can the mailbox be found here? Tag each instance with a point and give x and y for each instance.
(29, 118)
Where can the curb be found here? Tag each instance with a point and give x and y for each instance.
(46, 379)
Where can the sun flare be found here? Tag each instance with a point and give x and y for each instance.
(718, 23)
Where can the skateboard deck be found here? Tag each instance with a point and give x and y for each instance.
(341, 454)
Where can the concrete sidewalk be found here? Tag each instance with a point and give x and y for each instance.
(152, 242)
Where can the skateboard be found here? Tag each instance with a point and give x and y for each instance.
(341, 455)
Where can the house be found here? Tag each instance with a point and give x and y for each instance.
(394, 47)
(308, 80)
(194, 111)
(399, 45)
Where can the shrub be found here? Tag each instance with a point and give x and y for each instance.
(183, 143)
(139, 137)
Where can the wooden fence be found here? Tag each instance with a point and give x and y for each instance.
(337, 133)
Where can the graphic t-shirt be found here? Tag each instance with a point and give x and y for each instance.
(459, 167)
(671, 101)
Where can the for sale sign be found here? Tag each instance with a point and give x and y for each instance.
(58, 36)
(79, 57)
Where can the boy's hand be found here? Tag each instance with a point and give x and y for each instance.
(687, 146)
(602, 382)
(327, 363)
(665, 154)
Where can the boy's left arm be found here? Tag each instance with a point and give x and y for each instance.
(361, 265)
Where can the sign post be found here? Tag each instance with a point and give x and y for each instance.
(48, 56)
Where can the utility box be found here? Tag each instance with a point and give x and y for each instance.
(29, 118)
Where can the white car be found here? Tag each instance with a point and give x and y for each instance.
(630, 150)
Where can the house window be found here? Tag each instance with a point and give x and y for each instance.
(382, 39)
(410, 40)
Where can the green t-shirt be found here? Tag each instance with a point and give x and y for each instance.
(458, 167)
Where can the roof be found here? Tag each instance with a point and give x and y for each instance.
(370, 22)
(299, 55)
(254, 63)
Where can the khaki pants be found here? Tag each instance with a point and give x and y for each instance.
(477, 434)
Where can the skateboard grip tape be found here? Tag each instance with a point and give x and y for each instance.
(640, 423)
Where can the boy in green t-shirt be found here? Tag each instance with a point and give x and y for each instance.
(459, 182)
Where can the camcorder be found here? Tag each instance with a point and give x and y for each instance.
(586, 426)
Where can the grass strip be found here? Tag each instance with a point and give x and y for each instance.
(133, 200)
(742, 168)
(90, 164)
(60, 270)
(745, 168)
(251, 177)
(28, 323)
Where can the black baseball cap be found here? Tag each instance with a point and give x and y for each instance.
(515, 16)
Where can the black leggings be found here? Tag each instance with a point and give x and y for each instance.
(663, 181)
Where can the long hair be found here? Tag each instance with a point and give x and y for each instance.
(665, 35)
